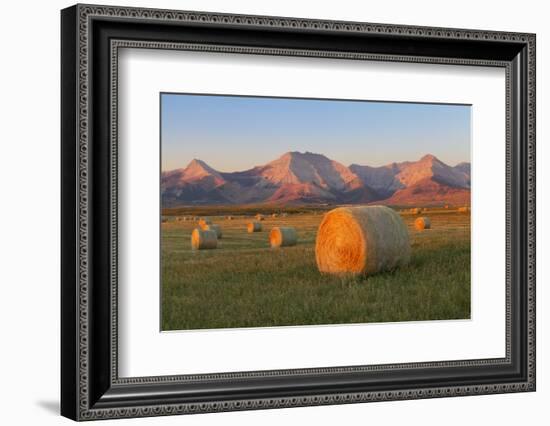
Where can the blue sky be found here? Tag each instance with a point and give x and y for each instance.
(233, 133)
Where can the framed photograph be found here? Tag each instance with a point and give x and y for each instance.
(263, 212)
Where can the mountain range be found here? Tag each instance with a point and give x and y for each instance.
(309, 178)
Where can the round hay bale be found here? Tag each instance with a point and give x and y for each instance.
(254, 227)
(259, 216)
(216, 228)
(229, 217)
(274, 215)
(202, 239)
(422, 223)
(361, 240)
(203, 221)
(283, 236)
(415, 210)
(463, 209)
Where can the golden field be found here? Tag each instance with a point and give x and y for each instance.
(245, 283)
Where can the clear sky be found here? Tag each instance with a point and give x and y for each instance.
(232, 133)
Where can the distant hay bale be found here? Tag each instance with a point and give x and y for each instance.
(164, 220)
(283, 236)
(446, 206)
(259, 216)
(216, 228)
(284, 214)
(422, 223)
(229, 217)
(361, 240)
(274, 215)
(203, 221)
(202, 239)
(415, 210)
(463, 209)
(254, 227)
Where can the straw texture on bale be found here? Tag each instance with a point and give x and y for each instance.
(422, 223)
(216, 228)
(361, 240)
(202, 239)
(283, 236)
(203, 221)
(254, 227)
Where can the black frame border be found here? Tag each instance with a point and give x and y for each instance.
(90, 388)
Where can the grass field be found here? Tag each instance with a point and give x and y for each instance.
(245, 283)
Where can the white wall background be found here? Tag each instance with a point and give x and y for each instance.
(29, 213)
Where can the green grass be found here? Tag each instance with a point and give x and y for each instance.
(244, 283)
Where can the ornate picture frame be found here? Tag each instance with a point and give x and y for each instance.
(91, 37)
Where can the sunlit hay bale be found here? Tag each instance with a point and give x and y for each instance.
(422, 223)
(216, 228)
(203, 221)
(259, 216)
(274, 215)
(229, 217)
(283, 236)
(361, 240)
(254, 227)
(446, 206)
(415, 210)
(202, 239)
(464, 209)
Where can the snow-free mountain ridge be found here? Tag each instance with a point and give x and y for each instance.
(306, 178)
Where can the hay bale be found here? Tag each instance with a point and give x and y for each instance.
(254, 227)
(422, 223)
(415, 210)
(164, 220)
(203, 221)
(259, 216)
(202, 239)
(274, 215)
(229, 217)
(283, 236)
(463, 209)
(216, 228)
(361, 240)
